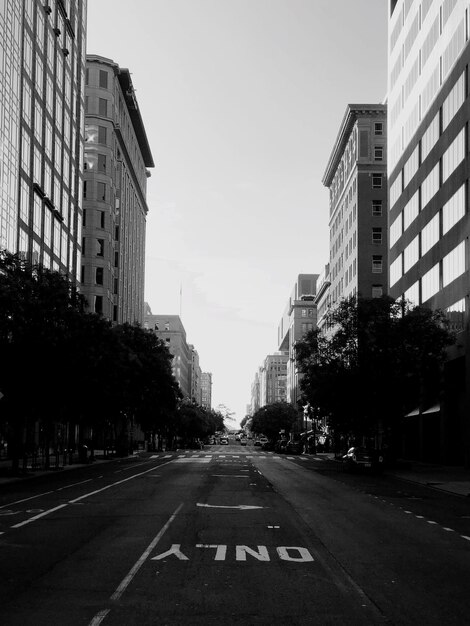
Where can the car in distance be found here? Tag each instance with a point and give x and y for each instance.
(359, 457)
(224, 441)
(243, 442)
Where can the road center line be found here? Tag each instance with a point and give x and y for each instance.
(99, 617)
(127, 579)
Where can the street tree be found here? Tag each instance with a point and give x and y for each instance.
(381, 358)
(273, 418)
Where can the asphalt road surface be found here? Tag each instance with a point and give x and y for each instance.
(231, 535)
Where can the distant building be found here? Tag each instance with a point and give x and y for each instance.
(273, 379)
(356, 176)
(42, 73)
(117, 155)
(196, 373)
(255, 393)
(206, 390)
(300, 316)
(170, 329)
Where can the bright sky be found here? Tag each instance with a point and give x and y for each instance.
(242, 101)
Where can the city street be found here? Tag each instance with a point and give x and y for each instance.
(231, 535)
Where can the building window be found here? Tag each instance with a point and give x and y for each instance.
(102, 134)
(412, 294)
(377, 291)
(430, 283)
(430, 235)
(99, 275)
(311, 312)
(376, 181)
(116, 259)
(304, 313)
(376, 263)
(453, 264)
(456, 316)
(103, 79)
(376, 235)
(98, 304)
(102, 218)
(378, 128)
(100, 249)
(378, 153)
(101, 163)
(115, 286)
(453, 210)
(411, 210)
(103, 107)
(430, 137)
(82, 274)
(430, 186)
(454, 155)
(411, 254)
(396, 270)
(377, 208)
(101, 191)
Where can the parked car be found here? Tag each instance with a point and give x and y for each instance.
(269, 446)
(359, 457)
(293, 447)
(280, 445)
(224, 441)
(257, 442)
(243, 442)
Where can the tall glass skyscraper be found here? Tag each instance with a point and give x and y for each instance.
(429, 226)
(42, 71)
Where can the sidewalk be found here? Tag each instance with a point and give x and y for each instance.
(452, 479)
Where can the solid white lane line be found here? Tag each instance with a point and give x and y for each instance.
(127, 579)
(36, 517)
(26, 499)
(465, 537)
(119, 482)
(75, 484)
(449, 530)
(87, 495)
(99, 617)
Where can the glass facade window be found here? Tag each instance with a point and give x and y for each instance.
(456, 316)
(395, 190)
(453, 102)
(454, 155)
(430, 137)
(396, 230)
(411, 166)
(411, 295)
(453, 264)
(396, 270)
(430, 186)
(453, 210)
(411, 254)
(411, 210)
(430, 235)
(430, 283)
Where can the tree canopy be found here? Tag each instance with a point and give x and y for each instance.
(380, 359)
(272, 418)
(60, 363)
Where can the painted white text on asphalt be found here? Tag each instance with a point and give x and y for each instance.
(241, 553)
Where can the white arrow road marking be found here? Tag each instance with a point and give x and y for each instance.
(240, 507)
(175, 549)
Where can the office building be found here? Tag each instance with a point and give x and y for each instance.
(273, 379)
(196, 374)
(170, 329)
(300, 317)
(117, 155)
(42, 70)
(206, 390)
(356, 176)
(428, 172)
